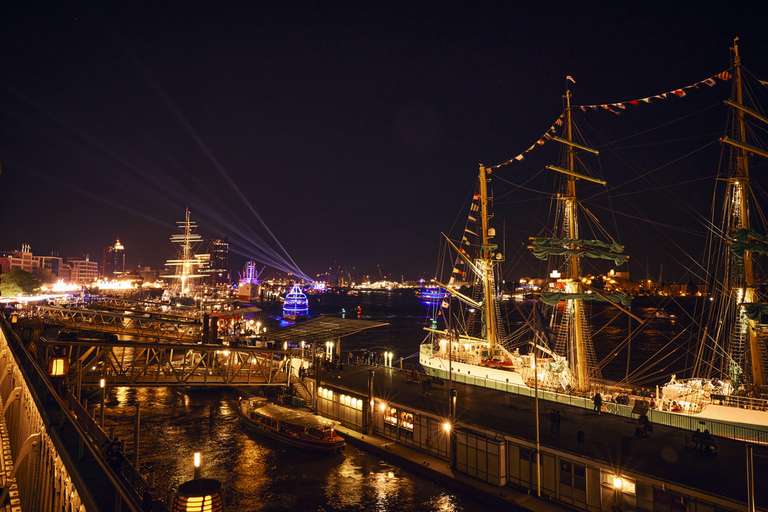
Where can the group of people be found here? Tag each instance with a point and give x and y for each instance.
(704, 440)
(643, 426)
(113, 452)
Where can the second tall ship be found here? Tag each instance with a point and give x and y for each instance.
(726, 388)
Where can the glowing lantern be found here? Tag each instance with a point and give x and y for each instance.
(201, 495)
(58, 366)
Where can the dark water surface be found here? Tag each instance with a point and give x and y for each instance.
(259, 474)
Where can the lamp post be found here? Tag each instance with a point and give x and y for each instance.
(451, 432)
(198, 470)
(102, 384)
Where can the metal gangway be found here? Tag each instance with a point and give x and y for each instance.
(125, 363)
(152, 326)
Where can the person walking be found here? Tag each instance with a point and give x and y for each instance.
(598, 402)
(554, 419)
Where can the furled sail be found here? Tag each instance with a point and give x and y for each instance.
(741, 243)
(552, 298)
(544, 247)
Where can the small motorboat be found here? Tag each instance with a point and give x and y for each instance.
(664, 315)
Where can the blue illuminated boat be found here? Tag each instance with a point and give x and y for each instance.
(432, 294)
(295, 306)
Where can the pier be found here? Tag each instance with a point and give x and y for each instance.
(589, 461)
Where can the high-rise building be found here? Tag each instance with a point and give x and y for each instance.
(217, 264)
(114, 261)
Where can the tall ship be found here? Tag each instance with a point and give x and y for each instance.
(726, 388)
(186, 263)
(475, 348)
(729, 377)
(249, 288)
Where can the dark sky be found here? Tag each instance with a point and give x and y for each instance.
(352, 129)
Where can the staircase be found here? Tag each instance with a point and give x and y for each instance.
(300, 390)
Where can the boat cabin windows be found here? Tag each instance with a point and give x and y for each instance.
(268, 422)
(406, 420)
(390, 416)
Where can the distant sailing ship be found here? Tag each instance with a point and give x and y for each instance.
(187, 262)
(295, 306)
(249, 288)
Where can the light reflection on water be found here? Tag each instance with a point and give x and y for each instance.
(259, 474)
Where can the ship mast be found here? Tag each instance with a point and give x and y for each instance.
(739, 181)
(487, 260)
(578, 355)
(188, 262)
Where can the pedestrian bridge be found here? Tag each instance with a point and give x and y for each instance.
(125, 363)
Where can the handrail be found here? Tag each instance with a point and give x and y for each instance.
(125, 494)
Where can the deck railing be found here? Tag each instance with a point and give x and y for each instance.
(677, 420)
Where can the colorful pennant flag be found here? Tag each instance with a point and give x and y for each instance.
(725, 75)
(615, 108)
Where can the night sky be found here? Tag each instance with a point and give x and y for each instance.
(354, 130)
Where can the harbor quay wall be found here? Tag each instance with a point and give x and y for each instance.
(504, 460)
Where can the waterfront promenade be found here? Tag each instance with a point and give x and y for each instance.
(664, 455)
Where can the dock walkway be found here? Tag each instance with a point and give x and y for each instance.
(663, 455)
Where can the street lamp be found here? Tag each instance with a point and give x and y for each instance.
(102, 385)
(198, 470)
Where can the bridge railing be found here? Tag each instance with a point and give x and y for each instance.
(49, 475)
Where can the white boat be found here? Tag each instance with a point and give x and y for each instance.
(728, 381)
(249, 288)
(663, 315)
